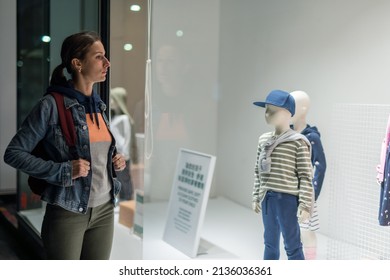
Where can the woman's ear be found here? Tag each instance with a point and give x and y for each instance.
(76, 65)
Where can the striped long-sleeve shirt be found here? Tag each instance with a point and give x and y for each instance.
(291, 171)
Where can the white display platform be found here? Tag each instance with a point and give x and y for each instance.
(126, 245)
(230, 231)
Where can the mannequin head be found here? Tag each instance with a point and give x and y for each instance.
(280, 107)
(302, 105)
(118, 101)
(277, 116)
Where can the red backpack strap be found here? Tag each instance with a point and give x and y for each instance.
(66, 120)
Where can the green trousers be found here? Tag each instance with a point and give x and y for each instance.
(71, 236)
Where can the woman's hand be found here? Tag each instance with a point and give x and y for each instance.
(80, 168)
(119, 162)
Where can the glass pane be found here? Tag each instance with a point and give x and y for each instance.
(78, 15)
(33, 60)
(128, 46)
(183, 94)
(42, 26)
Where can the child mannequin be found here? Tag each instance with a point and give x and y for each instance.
(282, 188)
(299, 124)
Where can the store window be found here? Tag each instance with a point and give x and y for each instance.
(42, 25)
(128, 54)
(33, 61)
(211, 59)
(181, 110)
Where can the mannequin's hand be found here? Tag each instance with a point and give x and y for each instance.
(256, 207)
(303, 216)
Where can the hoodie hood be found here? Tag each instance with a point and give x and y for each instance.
(310, 130)
(90, 103)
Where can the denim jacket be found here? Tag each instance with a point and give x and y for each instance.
(42, 124)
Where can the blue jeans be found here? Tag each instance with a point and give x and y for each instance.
(279, 212)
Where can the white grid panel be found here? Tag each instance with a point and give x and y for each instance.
(354, 153)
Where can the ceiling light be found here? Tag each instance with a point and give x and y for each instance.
(179, 33)
(135, 8)
(46, 39)
(127, 47)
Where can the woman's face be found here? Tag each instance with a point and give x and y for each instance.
(169, 69)
(95, 64)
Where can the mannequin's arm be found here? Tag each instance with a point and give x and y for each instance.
(257, 192)
(319, 163)
(381, 166)
(303, 216)
(256, 207)
(304, 170)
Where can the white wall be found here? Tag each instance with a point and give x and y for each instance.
(336, 51)
(234, 52)
(8, 91)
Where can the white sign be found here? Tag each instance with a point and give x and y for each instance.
(188, 200)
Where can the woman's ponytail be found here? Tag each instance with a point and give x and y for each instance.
(58, 78)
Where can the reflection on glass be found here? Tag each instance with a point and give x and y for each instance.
(183, 109)
(33, 75)
(128, 39)
(123, 131)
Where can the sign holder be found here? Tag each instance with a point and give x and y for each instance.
(188, 200)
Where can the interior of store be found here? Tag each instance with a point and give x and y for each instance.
(235, 54)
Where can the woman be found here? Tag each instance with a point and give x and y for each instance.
(81, 191)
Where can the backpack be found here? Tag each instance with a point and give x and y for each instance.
(65, 117)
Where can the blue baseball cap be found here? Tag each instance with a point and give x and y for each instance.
(279, 98)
